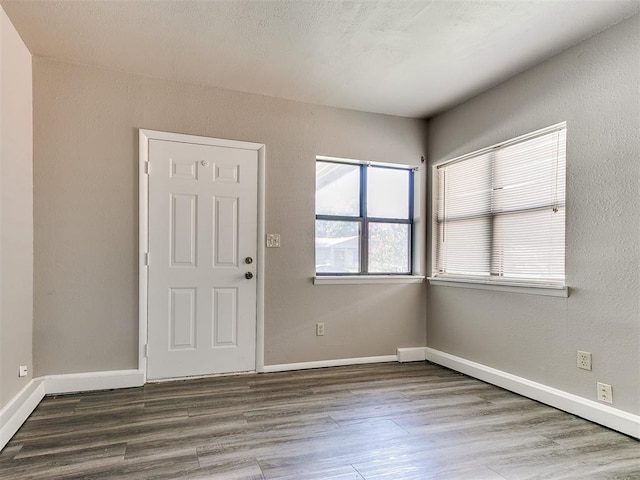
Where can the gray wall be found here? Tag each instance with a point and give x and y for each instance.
(16, 211)
(85, 210)
(594, 86)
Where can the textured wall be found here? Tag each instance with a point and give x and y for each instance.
(594, 86)
(16, 211)
(85, 194)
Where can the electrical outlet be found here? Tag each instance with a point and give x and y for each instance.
(273, 240)
(23, 371)
(319, 329)
(605, 393)
(584, 360)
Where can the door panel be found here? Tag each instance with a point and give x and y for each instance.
(183, 230)
(202, 221)
(225, 227)
(183, 318)
(225, 316)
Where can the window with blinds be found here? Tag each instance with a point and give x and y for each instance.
(500, 213)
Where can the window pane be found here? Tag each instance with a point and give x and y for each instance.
(337, 246)
(530, 174)
(389, 248)
(463, 217)
(529, 244)
(387, 193)
(464, 247)
(337, 189)
(466, 189)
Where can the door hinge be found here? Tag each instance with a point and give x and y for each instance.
(147, 168)
(146, 350)
(146, 259)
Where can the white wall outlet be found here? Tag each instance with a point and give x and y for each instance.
(605, 393)
(584, 360)
(273, 240)
(23, 371)
(320, 329)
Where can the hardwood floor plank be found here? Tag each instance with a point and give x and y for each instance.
(415, 468)
(386, 421)
(312, 471)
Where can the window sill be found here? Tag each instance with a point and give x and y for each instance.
(525, 288)
(366, 279)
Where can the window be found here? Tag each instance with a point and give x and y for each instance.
(364, 218)
(500, 213)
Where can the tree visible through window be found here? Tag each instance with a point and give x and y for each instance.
(363, 218)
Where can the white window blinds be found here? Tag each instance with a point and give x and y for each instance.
(501, 211)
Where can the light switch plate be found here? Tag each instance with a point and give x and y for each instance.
(273, 240)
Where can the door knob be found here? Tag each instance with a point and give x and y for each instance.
(248, 275)
(248, 260)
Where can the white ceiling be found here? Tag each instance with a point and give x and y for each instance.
(400, 57)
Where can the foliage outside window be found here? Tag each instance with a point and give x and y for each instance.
(364, 218)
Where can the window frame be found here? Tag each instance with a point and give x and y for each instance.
(363, 275)
(490, 282)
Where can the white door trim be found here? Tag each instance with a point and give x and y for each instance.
(144, 137)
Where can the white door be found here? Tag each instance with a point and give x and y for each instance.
(202, 252)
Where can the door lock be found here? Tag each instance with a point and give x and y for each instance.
(248, 275)
(248, 260)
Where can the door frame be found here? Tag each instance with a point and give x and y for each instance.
(145, 136)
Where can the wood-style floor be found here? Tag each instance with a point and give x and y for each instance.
(381, 421)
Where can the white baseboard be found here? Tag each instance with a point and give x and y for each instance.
(610, 417)
(14, 413)
(411, 354)
(284, 367)
(86, 382)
